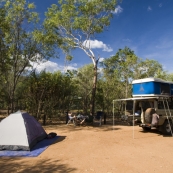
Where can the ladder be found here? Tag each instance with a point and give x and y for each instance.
(168, 112)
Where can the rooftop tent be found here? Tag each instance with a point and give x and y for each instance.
(20, 131)
(152, 87)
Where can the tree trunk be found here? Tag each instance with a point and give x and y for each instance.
(92, 103)
(12, 100)
(44, 119)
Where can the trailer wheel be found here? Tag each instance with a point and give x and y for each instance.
(148, 115)
(167, 128)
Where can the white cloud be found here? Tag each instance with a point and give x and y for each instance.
(46, 65)
(51, 67)
(118, 10)
(95, 44)
(149, 8)
(71, 67)
(101, 59)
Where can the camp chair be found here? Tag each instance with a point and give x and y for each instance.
(71, 120)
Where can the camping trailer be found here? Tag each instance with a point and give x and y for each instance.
(155, 98)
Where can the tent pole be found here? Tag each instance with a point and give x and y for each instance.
(113, 115)
(134, 101)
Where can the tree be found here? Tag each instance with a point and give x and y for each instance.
(43, 94)
(3, 47)
(119, 71)
(125, 66)
(77, 22)
(18, 26)
(149, 68)
(169, 77)
(121, 67)
(3, 51)
(83, 80)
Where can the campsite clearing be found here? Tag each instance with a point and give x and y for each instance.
(100, 150)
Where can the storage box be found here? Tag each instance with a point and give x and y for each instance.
(152, 87)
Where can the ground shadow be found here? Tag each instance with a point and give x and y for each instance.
(95, 127)
(44, 166)
(150, 131)
(61, 138)
(155, 131)
(168, 136)
(109, 126)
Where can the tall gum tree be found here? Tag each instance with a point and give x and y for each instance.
(3, 49)
(77, 22)
(20, 20)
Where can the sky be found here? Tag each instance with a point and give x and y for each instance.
(145, 26)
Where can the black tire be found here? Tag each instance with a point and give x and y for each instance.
(146, 129)
(148, 115)
(167, 128)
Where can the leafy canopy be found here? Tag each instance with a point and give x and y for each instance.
(78, 20)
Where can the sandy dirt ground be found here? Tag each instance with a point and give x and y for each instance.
(100, 150)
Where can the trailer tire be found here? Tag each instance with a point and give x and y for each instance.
(166, 128)
(148, 115)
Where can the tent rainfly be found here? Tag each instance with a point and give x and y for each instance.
(20, 131)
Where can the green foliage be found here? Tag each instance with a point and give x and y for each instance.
(68, 25)
(150, 68)
(83, 15)
(78, 21)
(84, 82)
(19, 47)
(68, 57)
(46, 93)
(118, 73)
(120, 68)
(169, 77)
